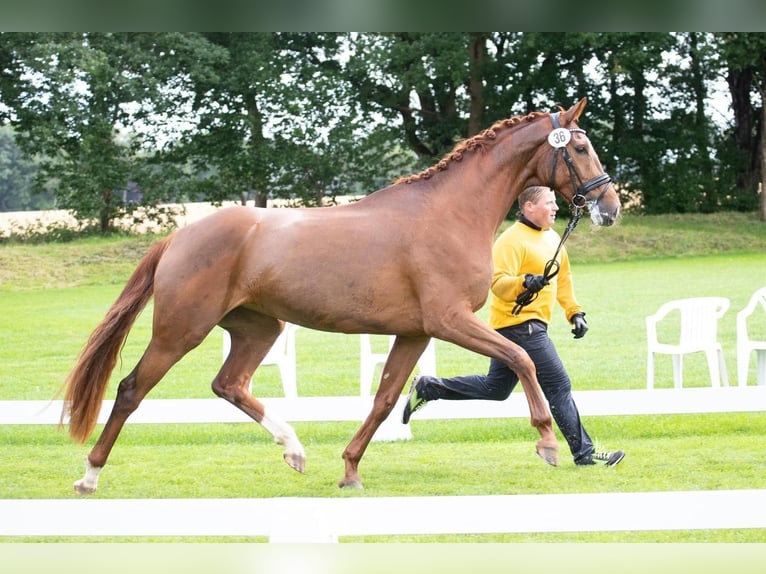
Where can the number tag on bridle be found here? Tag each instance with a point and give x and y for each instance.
(559, 137)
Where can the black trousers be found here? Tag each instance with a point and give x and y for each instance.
(500, 380)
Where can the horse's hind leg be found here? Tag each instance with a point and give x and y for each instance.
(156, 361)
(252, 335)
(399, 365)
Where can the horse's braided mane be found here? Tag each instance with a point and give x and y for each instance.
(480, 141)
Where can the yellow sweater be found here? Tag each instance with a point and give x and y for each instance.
(519, 250)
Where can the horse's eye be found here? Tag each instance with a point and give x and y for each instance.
(581, 149)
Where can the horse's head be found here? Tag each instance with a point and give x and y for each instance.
(570, 165)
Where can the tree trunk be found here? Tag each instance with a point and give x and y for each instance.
(762, 202)
(740, 82)
(257, 149)
(477, 55)
(697, 81)
(260, 199)
(105, 213)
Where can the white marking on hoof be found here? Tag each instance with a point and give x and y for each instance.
(284, 434)
(89, 483)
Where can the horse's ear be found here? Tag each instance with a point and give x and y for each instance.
(573, 113)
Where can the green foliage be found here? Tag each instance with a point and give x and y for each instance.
(278, 121)
(307, 116)
(16, 177)
(79, 107)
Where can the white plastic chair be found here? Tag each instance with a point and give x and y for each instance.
(746, 345)
(698, 333)
(369, 360)
(281, 354)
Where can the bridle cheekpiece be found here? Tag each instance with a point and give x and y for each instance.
(558, 139)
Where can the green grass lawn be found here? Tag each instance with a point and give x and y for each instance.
(51, 297)
(47, 327)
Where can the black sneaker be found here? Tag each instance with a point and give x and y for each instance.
(608, 458)
(414, 401)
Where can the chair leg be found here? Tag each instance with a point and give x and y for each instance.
(289, 382)
(713, 369)
(367, 372)
(366, 365)
(743, 365)
(678, 371)
(650, 370)
(760, 367)
(427, 361)
(722, 368)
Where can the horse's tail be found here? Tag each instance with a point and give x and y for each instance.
(86, 384)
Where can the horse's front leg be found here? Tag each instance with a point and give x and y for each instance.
(401, 361)
(470, 333)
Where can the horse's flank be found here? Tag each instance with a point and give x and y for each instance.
(333, 269)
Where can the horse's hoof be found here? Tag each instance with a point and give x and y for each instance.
(296, 461)
(351, 484)
(548, 454)
(80, 488)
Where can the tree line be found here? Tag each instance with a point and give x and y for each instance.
(105, 123)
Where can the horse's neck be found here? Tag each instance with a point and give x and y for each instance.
(487, 188)
(510, 168)
(478, 190)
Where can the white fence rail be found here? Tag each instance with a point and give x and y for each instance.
(354, 408)
(327, 519)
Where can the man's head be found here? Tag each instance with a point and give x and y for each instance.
(538, 205)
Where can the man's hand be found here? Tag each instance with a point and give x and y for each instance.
(580, 325)
(534, 283)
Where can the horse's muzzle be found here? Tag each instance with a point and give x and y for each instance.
(603, 215)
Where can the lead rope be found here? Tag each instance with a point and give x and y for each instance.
(552, 266)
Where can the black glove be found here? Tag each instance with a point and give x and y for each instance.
(580, 325)
(534, 283)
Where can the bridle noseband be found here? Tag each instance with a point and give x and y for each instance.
(558, 138)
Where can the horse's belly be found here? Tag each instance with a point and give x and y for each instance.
(329, 302)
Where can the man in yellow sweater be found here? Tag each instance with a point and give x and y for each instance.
(519, 256)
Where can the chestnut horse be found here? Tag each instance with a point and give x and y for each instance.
(411, 260)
